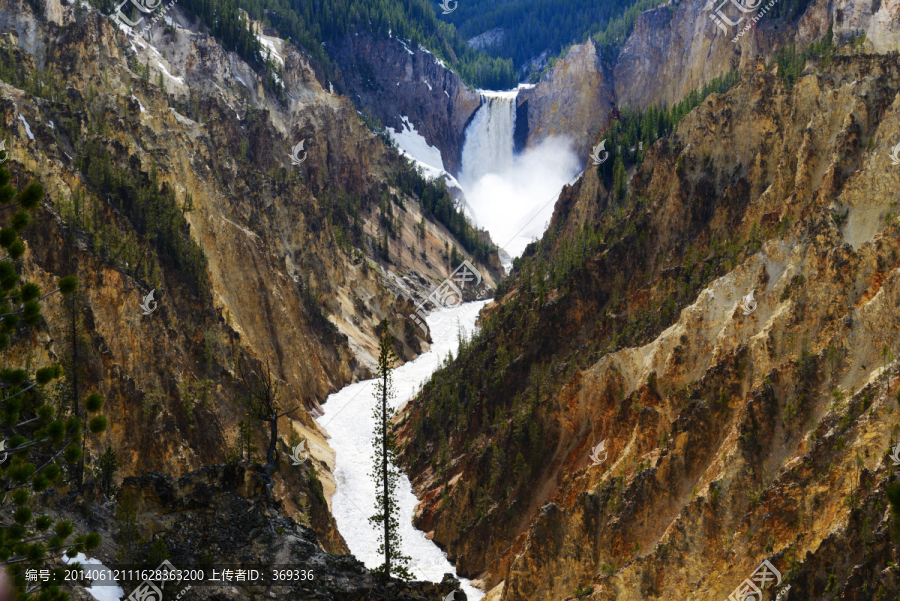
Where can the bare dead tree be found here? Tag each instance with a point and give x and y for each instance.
(261, 399)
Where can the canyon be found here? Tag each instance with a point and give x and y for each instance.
(688, 366)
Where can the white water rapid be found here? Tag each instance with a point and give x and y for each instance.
(512, 196)
(348, 419)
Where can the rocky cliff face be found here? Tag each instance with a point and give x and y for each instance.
(167, 166)
(728, 334)
(393, 80)
(674, 49)
(880, 21)
(222, 517)
(571, 100)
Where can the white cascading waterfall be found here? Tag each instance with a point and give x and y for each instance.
(512, 196)
(488, 147)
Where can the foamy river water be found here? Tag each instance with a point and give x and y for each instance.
(348, 419)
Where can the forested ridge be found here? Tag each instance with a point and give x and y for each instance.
(531, 27)
(312, 24)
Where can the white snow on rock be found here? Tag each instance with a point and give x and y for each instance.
(413, 144)
(170, 76)
(104, 588)
(27, 127)
(269, 43)
(138, 100)
(421, 153)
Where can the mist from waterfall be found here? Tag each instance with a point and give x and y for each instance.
(512, 195)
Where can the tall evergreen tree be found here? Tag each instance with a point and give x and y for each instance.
(74, 373)
(620, 179)
(109, 465)
(384, 466)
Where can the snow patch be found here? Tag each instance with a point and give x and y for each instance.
(27, 127)
(170, 76)
(108, 588)
(273, 49)
(414, 147)
(412, 143)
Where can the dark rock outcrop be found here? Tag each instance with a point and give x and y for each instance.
(225, 515)
(394, 80)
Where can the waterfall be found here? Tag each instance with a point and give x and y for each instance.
(511, 195)
(488, 147)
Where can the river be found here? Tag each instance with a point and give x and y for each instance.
(348, 420)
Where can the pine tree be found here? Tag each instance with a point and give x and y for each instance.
(109, 465)
(619, 179)
(35, 440)
(384, 467)
(74, 374)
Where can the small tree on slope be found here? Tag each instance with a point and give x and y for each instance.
(261, 398)
(384, 467)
